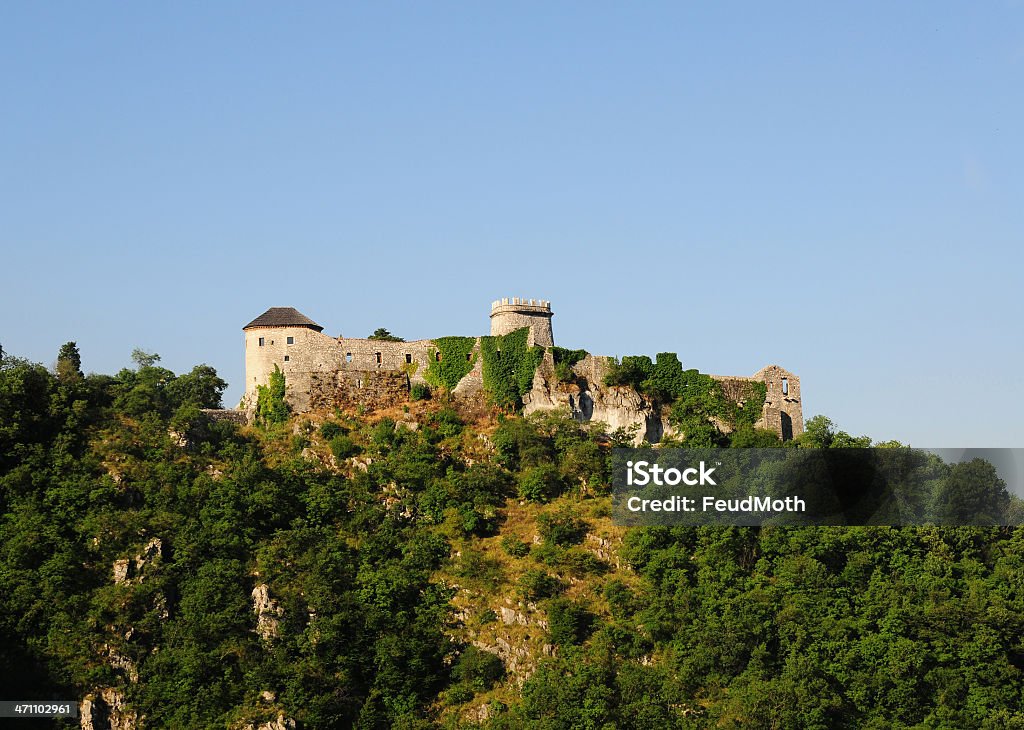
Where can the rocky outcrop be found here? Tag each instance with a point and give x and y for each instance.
(279, 723)
(131, 570)
(589, 399)
(105, 709)
(268, 613)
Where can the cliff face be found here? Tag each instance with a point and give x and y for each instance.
(588, 399)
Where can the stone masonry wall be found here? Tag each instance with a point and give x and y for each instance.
(312, 358)
(323, 371)
(510, 315)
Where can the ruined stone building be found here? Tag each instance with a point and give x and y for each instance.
(323, 371)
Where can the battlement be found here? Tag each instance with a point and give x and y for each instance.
(518, 304)
(508, 315)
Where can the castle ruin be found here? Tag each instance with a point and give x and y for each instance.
(322, 371)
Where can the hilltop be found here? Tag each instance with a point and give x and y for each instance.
(434, 564)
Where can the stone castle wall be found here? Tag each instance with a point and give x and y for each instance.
(323, 371)
(509, 315)
(313, 358)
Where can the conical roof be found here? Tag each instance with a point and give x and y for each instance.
(283, 317)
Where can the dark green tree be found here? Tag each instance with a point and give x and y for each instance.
(384, 335)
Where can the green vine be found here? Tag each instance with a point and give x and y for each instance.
(749, 409)
(270, 404)
(457, 359)
(564, 360)
(508, 367)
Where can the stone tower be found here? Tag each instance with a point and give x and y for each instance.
(508, 315)
(281, 336)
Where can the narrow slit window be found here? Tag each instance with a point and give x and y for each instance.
(262, 341)
(785, 386)
(378, 357)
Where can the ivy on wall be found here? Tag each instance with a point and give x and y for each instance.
(456, 360)
(270, 404)
(564, 360)
(508, 367)
(748, 410)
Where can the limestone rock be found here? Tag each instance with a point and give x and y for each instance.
(279, 723)
(588, 399)
(105, 709)
(131, 570)
(267, 612)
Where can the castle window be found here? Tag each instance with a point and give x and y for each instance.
(261, 342)
(408, 358)
(785, 386)
(286, 358)
(348, 357)
(291, 340)
(377, 354)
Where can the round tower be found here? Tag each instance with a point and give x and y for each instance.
(508, 315)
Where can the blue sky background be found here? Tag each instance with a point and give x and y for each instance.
(836, 189)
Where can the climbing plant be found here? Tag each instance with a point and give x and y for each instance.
(508, 367)
(455, 361)
(270, 404)
(749, 409)
(564, 360)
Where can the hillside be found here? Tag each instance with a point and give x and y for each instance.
(427, 565)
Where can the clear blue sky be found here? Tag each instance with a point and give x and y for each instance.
(834, 188)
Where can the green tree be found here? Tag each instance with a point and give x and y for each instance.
(69, 362)
(384, 335)
(201, 387)
(144, 359)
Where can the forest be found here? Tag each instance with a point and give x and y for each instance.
(429, 567)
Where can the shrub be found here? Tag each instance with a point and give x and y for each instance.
(568, 622)
(457, 695)
(540, 484)
(343, 447)
(562, 528)
(514, 546)
(329, 429)
(478, 669)
(419, 391)
(537, 584)
(564, 360)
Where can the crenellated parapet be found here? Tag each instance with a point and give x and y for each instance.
(511, 314)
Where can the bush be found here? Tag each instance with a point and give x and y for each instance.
(562, 527)
(540, 484)
(621, 599)
(478, 669)
(568, 622)
(537, 584)
(457, 695)
(329, 429)
(343, 447)
(419, 391)
(514, 546)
